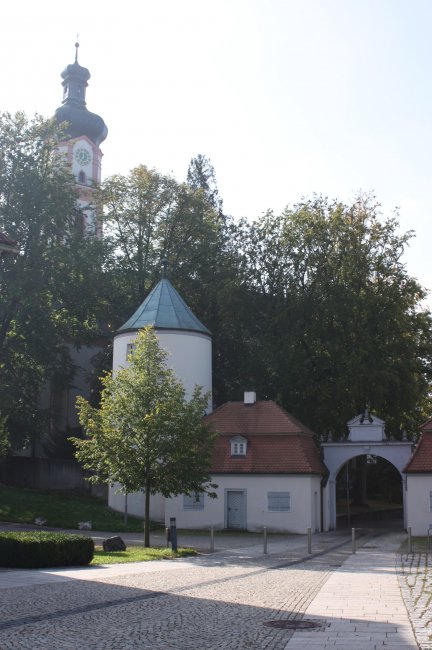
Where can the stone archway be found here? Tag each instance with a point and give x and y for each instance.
(366, 436)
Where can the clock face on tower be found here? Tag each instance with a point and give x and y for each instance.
(82, 156)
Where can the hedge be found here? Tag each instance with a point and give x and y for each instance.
(38, 548)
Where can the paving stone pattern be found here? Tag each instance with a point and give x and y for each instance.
(206, 607)
(415, 580)
(222, 602)
(361, 605)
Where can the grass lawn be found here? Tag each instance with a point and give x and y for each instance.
(62, 510)
(138, 554)
(418, 545)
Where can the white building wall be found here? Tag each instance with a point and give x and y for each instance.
(189, 355)
(305, 510)
(418, 503)
(135, 503)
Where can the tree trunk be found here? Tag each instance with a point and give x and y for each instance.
(147, 514)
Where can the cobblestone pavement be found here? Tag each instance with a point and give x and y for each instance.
(214, 602)
(415, 580)
(217, 602)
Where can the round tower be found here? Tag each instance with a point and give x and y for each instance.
(187, 341)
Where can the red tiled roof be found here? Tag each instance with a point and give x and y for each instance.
(237, 418)
(421, 462)
(277, 443)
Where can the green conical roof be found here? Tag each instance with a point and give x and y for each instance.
(164, 308)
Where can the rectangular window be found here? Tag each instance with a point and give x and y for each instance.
(278, 501)
(193, 502)
(129, 349)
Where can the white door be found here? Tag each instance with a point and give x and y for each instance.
(236, 509)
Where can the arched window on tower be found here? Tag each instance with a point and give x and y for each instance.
(82, 178)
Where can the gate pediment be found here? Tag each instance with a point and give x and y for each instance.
(366, 428)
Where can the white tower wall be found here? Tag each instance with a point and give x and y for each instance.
(189, 356)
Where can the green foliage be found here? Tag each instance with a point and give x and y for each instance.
(50, 291)
(333, 321)
(62, 510)
(148, 217)
(146, 435)
(36, 549)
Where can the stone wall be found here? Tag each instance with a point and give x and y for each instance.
(48, 474)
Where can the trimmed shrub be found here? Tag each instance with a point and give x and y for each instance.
(33, 549)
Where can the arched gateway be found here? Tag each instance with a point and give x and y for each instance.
(366, 436)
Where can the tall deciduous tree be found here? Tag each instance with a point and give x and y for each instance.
(146, 435)
(201, 175)
(48, 293)
(338, 322)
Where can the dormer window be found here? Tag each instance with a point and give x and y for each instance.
(238, 446)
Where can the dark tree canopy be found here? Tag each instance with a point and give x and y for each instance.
(336, 321)
(47, 292)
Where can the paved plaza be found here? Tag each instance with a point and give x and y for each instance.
(230, 599)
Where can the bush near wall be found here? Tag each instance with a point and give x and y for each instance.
(34, 549)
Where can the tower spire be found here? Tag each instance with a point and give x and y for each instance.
(73, 111)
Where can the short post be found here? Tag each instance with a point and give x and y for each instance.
(265, 540)
(211, 539)
(353, 540)
(409, 540)
(309, 534)
(125, 518)
(173, 531)
(167, 537)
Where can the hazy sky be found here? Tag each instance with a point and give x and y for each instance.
(286, 97)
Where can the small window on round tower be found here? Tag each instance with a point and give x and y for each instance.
(82, 178)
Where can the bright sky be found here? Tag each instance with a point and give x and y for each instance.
(286, 97)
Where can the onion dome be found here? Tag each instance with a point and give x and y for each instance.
(73, 111)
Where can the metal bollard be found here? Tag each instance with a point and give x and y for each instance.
(167, 537)
(353, 540)
(264, 540)
(211, 539)
(173, 531)
(309, 534)
(409, 540)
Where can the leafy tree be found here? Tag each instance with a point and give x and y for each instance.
(337, 321)
(148, 217)
(201, 175)
(145, 435)
(49, 292)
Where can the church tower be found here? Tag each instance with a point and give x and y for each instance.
(85, 131)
